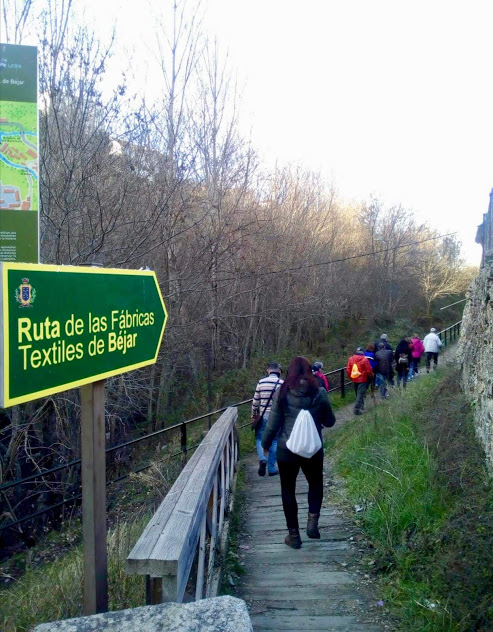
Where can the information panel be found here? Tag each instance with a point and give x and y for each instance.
(65, 326)
(19, 164)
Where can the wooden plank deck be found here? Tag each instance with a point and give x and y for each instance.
(315, 588)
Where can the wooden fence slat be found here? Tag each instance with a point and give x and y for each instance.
(213, 544)
(199, 590)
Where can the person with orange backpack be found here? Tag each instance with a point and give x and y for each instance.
(360, 373)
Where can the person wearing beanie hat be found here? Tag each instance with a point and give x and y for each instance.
(432, 344)
(321, 378)
(383, 340)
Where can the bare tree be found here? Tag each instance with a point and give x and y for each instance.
(440, 269)
(16, 16)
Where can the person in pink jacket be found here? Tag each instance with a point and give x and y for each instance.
(417, 351)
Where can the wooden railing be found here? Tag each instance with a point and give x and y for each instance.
(190, 521)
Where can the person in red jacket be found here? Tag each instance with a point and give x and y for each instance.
(360, 373)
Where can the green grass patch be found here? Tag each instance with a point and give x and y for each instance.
(414, 465)
(54, 591)
(337, 401)
(48, 584)
(232, 568)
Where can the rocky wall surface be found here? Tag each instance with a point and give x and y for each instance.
(475, 353)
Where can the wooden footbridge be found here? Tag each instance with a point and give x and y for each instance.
(314, 588)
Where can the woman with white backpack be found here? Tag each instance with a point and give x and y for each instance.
(300, 409)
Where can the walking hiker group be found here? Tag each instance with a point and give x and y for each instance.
(377, 365)
(288, 416)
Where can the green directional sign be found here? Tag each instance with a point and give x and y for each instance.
(64, 326)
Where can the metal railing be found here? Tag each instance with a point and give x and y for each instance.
(448, 335)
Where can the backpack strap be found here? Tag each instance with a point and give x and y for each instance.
(270, 397)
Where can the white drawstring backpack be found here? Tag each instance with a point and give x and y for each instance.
(304, 439)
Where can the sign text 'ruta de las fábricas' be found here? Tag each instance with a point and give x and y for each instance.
(19, 154)
(64, 326)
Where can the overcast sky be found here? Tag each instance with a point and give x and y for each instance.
(384, 97)
(389, 97)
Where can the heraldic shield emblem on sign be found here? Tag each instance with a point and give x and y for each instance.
(25, 294)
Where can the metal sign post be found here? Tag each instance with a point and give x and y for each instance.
(94, 498)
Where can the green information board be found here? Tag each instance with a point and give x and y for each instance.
(19, 149)
(65, 326)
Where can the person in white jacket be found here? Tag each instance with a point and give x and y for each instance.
(432, 344)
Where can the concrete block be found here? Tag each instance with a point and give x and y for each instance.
(221, 614)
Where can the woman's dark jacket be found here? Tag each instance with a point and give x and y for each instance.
(384, 359)
(283, 415)
(403, 347)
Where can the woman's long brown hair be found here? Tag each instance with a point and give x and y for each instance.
(299, 369)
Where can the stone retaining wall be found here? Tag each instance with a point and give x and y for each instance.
(475, 353)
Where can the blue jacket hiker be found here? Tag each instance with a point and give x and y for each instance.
(370, 354)
(261, 406)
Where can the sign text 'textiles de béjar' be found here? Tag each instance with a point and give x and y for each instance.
(65, 326)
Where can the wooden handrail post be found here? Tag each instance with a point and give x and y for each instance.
(213, 542)
(94, 498)
(199, 588)
(223, 494)
(231, 459)
(227, 477)
(154, 590)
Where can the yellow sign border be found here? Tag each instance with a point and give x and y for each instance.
(40, 267)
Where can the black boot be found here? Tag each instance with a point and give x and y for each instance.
(293, 539)
(312, 526)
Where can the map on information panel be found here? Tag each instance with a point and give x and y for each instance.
(19, 156)
(19, 151)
